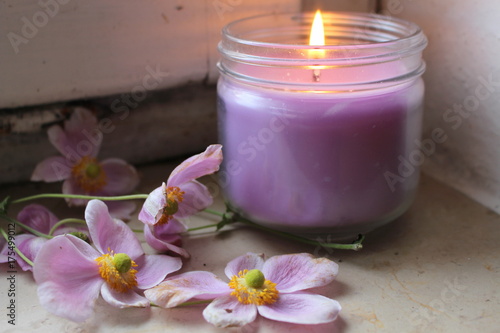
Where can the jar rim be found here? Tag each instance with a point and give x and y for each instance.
(408, 30)
(363, 49)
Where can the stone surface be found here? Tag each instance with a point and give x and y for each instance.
(435, 269)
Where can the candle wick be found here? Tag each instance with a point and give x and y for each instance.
(316, 75)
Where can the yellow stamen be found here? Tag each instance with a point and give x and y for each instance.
(173, 196)
(264, 295)
(117, 271)
(89, 174)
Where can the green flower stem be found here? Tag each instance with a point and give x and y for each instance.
(202, 227)
(354, 246)
(64, 221)
(213, 212)
(194, 303)
(78, 196)
(138, 230)
(357, 245)
(4, 234)
(22, 225)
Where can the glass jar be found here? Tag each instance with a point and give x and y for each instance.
(321, 139)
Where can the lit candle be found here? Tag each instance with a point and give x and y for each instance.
(317, 38)
(315, 152)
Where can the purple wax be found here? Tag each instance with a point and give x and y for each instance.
(312, 162)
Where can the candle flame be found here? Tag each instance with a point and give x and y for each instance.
(317, 36)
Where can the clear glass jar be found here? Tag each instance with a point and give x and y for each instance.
(320, 139)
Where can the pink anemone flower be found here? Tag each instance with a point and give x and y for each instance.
(79, 143)
(179, 198)
(43, 220)
(71, 274)
(4, 250)
(276, 289)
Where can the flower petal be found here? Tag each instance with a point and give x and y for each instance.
(301, 309)
(52, 169)
(61, 142)
(71, 187)
(196, 198)
(196, 166)
(183, 287)
(68, 277)
(123, 300)
(248, 261)
(162, 240)
(80, 136)
(37, 217)
(226, 311)
(121, 210)
(107, 233)
(154, 203)
(121, 177)
(29, 245)
(301, 271)
(4, 250)
(153, 268)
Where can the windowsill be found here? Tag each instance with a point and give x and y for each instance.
(437, 268)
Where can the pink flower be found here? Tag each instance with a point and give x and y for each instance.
(166, 237)
(180, 197)
(71, 274)
(79, 142)
(276, 289)
(4, 250)
(43, 220)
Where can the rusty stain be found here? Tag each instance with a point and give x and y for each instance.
(407, 292)
(165, 18)
(370, 317)
(488, 267)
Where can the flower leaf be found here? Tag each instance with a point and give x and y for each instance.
(4, 205)
(228, 218)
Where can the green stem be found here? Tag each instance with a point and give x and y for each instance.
(22, 225)
(138, 230)
(202, 227)
(78, 196)
(14, 247)
(213, 212)
(64, 221)
(354, 246)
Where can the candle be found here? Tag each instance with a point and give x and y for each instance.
(314, 136)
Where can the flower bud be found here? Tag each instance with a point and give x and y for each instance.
(122, 262)
(255, 278)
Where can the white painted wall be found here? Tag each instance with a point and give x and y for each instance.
(462, 57)
(340, 5)
(56, 50)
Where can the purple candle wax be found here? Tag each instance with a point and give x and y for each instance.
(316, 145)
(313, 162)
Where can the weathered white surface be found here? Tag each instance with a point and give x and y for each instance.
(55, 50)
(436, 269)
(340, 5)
(462, 57)
(163, 124)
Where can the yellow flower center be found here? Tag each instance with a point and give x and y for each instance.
(174, 196)
(251, 287)
(117, 271)
(89, 174)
